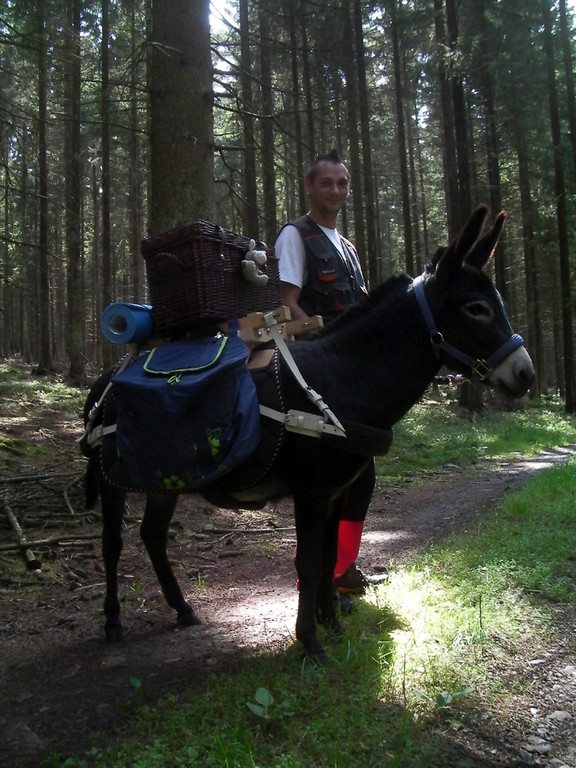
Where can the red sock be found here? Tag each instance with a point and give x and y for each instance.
(349, 536)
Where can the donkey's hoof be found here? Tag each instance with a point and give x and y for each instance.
(113, 631)
(314, 651)
(318, 657)
(188, 619)
(331, 624)
(336, 629)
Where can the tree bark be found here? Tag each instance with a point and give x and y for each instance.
(401, 134)
(491, 141)
(561, 215)
(448, 143)
(106, 297)
(135, 177)
(45, 363)
(353, 135)
(463, 203)
(181, 120)
(367, 171)
(533, 308)
(75, 289)
(294, 71)
(268, 169)
(249, 155)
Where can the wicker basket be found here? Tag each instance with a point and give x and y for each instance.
(195, 277)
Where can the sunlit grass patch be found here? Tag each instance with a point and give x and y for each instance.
(433, 435)
(477, 597)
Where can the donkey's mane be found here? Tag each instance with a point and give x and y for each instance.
(388, 291)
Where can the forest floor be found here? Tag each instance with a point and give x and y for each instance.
(61, 681)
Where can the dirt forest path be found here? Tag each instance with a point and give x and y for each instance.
(61, 681)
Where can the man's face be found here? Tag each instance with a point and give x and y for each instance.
(329, 188)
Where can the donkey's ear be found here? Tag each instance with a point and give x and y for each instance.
(460, 247)
(484, 248)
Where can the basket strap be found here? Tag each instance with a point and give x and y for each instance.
(294, 420)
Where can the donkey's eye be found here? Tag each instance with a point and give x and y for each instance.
(479, 310)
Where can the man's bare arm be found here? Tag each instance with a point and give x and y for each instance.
(290, 297)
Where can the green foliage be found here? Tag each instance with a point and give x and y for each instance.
(136, 684)
(443, 699)
(265, 706)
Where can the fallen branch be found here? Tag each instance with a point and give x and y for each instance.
(32, 562)
(56, 541)
(247, 530)
(42, 476)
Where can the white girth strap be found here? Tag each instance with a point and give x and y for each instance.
(300, 421)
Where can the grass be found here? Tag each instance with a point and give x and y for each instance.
(436, 433)
(28, 402)
(31, 395)
(426, 657)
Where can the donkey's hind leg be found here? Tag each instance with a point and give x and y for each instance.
(325, 603)
(154, 532)
(113, 506)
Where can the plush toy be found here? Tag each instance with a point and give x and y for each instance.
(251, 265)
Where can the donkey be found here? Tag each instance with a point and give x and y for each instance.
(371, 366)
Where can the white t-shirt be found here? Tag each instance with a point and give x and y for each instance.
(289, 249)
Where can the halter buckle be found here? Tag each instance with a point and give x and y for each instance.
(481, 370)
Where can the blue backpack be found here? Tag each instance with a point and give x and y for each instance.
(186, 413)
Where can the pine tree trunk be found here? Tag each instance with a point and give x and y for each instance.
(181, 120)
(268, 170)
(294, 71)
(75, 292)
(249, 165)
(463, 202)
(367, 172)
(561, 215)
(107, 354)
(353, 135)
(45, 363)
(401, 134)
(448, 144)
(533, 308)
(134, 179)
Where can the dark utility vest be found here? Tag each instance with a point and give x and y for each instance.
(334, 283)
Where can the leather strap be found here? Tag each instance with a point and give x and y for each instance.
(298, 421)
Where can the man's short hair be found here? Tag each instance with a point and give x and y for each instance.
(328, 157)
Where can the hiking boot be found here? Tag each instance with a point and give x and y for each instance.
(352, 580)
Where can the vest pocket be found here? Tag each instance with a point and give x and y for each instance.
(326, 267)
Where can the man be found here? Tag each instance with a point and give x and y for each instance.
(320, 274)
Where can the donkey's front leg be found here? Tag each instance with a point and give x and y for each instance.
(311, 515)
(154, 532)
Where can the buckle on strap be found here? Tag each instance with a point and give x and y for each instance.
(302, 422)
(481, 370)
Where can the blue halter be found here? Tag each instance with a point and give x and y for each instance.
(481, 369)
